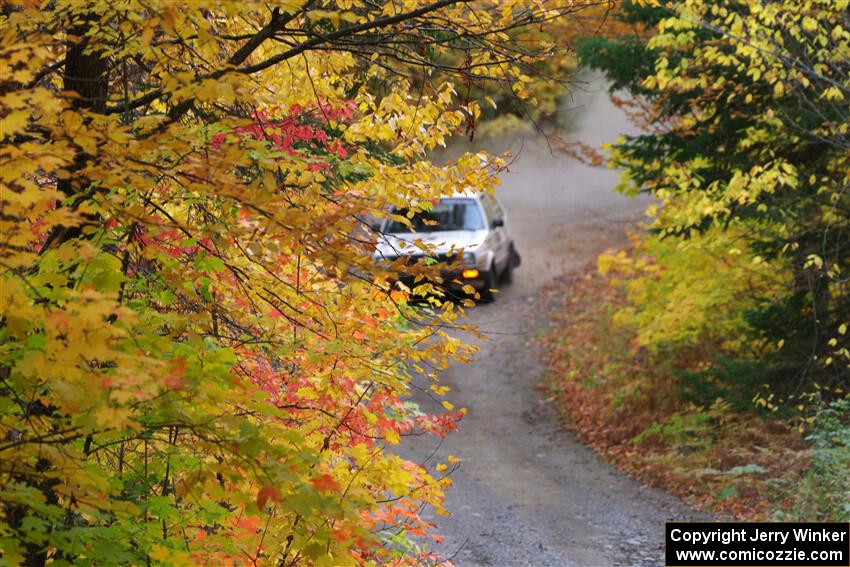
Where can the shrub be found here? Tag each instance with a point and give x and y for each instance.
(824, 493)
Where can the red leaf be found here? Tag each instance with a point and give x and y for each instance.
(267, 493)
(325, 483)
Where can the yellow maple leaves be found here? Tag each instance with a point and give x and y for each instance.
(190, 310)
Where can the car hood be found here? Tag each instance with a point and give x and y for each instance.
(390, 245)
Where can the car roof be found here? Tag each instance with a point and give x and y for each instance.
(463, 195)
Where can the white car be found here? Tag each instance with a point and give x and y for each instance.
(475, 223)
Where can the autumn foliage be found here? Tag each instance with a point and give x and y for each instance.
(746, 114)
(733, 306)
(199, 362)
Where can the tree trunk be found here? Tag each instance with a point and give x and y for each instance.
(86, 74)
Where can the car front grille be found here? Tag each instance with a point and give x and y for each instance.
(445, 258)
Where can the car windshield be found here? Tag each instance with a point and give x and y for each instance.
(448, 214)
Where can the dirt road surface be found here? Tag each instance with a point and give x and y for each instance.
(528, 494)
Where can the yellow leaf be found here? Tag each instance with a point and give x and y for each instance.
(13, 123)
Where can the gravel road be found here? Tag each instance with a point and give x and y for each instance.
(527, 493)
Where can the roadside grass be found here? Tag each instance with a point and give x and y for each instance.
(625, 404)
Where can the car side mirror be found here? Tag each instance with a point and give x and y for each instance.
(497, 223)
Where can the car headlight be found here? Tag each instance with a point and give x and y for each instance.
(469, 258)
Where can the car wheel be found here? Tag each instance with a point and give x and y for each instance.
(514, 259)
(486, 293)
(508, 273)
